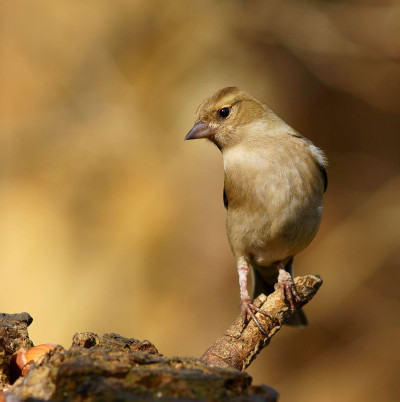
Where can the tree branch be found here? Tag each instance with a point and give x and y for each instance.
(240, 344)
(113, 367)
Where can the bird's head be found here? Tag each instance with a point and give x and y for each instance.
(220, 116)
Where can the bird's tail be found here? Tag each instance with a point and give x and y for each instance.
(264, 279)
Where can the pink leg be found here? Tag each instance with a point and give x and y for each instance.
(286, 284)
(246, 307)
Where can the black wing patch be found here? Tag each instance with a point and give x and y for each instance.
(225, 200)
(325, 177)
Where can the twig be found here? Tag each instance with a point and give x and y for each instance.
(240, 344)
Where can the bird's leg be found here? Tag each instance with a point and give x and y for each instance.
(286, 284)
(246, 307)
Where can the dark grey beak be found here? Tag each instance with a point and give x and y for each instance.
(200, 130)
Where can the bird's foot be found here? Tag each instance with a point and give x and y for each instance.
(288, 289)
(249, 309)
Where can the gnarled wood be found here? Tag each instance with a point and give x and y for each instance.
(240, 344)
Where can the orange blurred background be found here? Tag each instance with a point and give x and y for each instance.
(110, 222)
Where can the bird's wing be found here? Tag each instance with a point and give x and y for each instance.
(324, 175)
(225, 198)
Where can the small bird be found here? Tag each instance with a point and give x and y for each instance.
(274, 182)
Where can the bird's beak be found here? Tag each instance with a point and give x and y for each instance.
(200, 130)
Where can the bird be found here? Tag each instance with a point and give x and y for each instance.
(274, 184)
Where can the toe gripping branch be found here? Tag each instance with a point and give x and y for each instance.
(288, 289)
(285, 283)
(249, 309)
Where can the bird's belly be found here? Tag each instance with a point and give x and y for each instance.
(273, 235)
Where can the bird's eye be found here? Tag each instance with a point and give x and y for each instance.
(224, 112)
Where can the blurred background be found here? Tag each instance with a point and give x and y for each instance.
(110, 222)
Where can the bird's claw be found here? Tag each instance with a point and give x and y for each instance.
(288, 291)
(247, 308)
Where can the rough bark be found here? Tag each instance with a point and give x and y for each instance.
(13, 336)
(118, 368)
